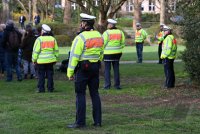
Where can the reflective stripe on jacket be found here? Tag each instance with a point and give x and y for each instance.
(160, 36)
(86, 46)
(140, 35)
(169, 49)
(114, 41)
(45, 50)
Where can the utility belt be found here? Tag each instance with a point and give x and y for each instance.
(86, 65)
(139, 42)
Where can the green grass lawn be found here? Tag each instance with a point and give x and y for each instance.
(129, 53)
(141, 107)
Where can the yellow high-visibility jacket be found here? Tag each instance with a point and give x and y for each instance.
(45, 50)
(160, 36)
(140, 35)
(169, 49)
(114, 41)
(88, 45)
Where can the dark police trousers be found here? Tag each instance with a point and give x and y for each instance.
(115, 65)
(83, 79)
(169, 73)
(139, 49)
(45, 70)
(159, 52)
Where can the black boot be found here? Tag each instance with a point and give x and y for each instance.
(25, 76)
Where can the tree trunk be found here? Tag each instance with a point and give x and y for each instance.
(137, 12)
(30, 11)
(162, 11)
(67, 12)
(47, 6)
(34, 12)
(102, 21)
(6, 10)
(53, 10)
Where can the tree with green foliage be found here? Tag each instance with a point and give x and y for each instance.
(190, 10)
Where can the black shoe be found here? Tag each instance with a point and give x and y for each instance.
(25, 76)
(75, 126)
(97, 124)
(31, 76)
(118, 88)
(19, 79)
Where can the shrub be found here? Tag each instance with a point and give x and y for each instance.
(125, 22)
(149, 17)
(191, 56)
(63, 40)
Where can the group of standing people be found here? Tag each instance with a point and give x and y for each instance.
(22, 20)
(16, 46)
(88, 49)
(167, 50)
(36, 48)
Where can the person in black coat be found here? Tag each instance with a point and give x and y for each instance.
(22, 20)
(37, 19)
(2, 51)
(11, 54)
(27, 48)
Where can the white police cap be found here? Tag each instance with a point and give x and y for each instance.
(166, 28)
(161, 24)
(111, 21)
(85, 16)
(46, 28)
(138, 24)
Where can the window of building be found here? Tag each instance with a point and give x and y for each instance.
(129, 6)
(142, 8)
(96, 2)
(73, 6)
(151, 5)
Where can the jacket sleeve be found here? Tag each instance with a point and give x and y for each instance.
(123, 40)
(144, 34)
(56, 50)
(75, 53)
(105, 38)
(36, 50)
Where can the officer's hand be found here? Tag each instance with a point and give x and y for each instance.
(71, 78)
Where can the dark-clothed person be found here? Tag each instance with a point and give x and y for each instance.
(45, 55)
(22, 20)
(37, 19)
(2, 51)
(114, 43)
(27, 48)
(11, 44)
(168, 55)
(86, 53)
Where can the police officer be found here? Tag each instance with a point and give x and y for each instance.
(160, 38)
(140, 36)
(168, 55)
(45, 55)
(114, 43)
(86, 53)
